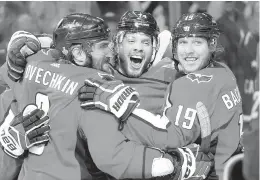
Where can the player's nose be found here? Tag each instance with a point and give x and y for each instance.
(138, 47)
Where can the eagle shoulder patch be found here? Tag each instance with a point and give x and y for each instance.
(199, 77)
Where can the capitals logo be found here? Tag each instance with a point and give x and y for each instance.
(199, 77)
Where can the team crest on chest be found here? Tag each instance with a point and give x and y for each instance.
(199, 77)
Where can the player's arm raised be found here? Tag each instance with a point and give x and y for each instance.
(21, 45)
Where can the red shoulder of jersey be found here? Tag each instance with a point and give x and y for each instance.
(163, 71)
(46, 55)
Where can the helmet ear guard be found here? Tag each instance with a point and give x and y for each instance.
(212, 44)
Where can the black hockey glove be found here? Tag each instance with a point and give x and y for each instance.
(21, 45)
(20, 133)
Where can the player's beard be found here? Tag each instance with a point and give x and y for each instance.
(103, 64)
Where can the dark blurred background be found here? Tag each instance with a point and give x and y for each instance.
(239, 21)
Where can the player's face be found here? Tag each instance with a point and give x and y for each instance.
(135, 53)
(193, 53)
(100, 54)
(80, 57)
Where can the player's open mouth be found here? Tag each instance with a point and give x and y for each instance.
(136, 61)
(191, 59)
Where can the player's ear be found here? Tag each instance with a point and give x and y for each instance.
(116, 49)
(212, 44)
(175, 56)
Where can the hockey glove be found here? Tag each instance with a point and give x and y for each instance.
(20, 133)
(106, 93)
(21, 45)
(204, 163)
(188, 163)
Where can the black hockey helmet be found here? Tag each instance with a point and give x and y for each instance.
(137, 21)
(195, 25)
(79, 28)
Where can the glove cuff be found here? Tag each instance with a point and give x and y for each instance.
(184, 163)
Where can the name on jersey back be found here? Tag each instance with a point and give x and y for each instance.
(50, 79)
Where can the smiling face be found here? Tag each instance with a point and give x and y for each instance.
(193, 53)
(135, 53)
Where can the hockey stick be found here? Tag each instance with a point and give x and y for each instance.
(164, 39)
(205, 126)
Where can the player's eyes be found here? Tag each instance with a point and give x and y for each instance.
(197, 42)
(131, 40)
(103, 46)
(147, 43)
(181, 42)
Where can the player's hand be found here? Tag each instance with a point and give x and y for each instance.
(204, 162)
(21, 45)
(190, 163)
(104, 92)
(19, 134)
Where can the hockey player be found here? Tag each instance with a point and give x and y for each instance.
(194, 46)
(98, 44)
(67, 116)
